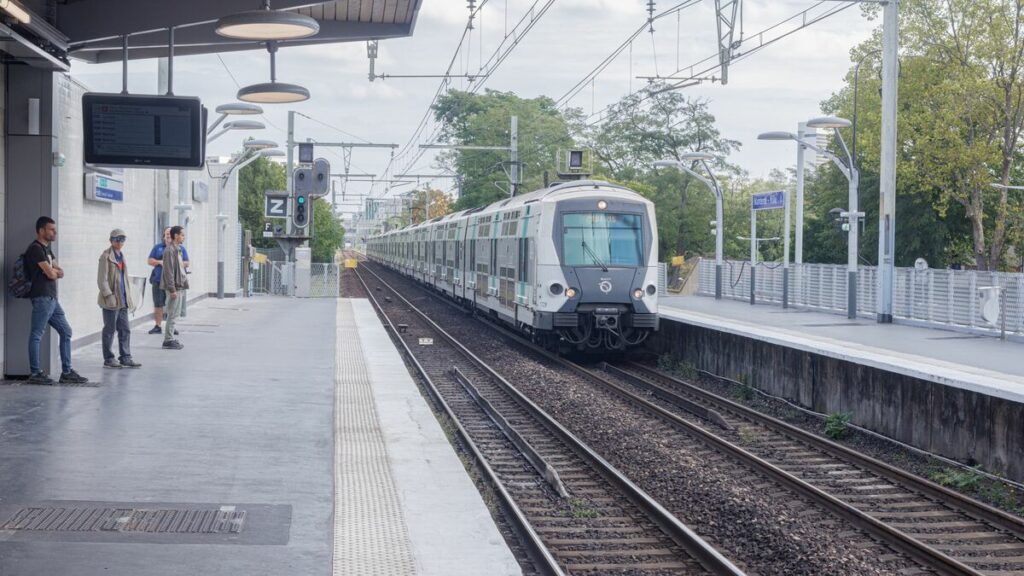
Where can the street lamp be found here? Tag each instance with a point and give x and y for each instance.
(711, 183)
(236, 125)
(849, 170)
(233, 109)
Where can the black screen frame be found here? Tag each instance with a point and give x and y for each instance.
(195, 160)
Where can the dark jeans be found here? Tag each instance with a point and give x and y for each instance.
(117, 320)
(46, 310)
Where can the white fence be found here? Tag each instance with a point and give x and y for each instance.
(947, 298)
(276, 278)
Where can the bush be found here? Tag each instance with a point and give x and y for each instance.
(836, 425)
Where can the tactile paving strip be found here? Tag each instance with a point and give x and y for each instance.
(370, 533)
(226, 520)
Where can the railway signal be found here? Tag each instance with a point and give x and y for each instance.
(301, 212)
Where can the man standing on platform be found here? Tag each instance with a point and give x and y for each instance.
(173, 281)
(159, 296)
(116, 300)
(44, 272)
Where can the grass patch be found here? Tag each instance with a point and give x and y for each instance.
(963, 480)
(580, 509)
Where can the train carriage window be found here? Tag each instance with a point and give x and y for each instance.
(601, 239)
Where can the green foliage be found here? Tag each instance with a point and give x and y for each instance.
(484, 120)
(837, 425)
(960, 117)
(963, 480)
(253, 181)
(328, 233)
(262, 175)
(580, 509)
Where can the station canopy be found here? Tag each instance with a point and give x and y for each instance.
(91, 30)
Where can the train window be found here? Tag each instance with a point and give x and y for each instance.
(601, 239)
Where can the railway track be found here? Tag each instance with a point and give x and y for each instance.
(940, 529)
(574, 513)
(982, 538)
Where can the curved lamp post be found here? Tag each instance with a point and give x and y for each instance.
(711, 182)
(849, 170)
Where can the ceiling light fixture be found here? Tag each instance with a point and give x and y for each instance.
(267, 24)
(273, 92)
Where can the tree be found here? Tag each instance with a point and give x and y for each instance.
(253, 181)
(961, 114)
(440, 204)
(484, 120)
(262, 175)
(664, 126)
(328, 233)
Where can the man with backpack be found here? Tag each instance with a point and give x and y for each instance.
(42, 270)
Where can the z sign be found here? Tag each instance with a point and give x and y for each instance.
(276, 206)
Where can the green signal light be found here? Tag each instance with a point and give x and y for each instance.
(301, 199)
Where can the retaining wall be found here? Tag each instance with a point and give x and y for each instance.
(966, 426)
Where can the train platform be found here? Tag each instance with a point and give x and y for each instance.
(977, 363)
(287, 437)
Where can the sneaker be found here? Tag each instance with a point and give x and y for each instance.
(39, 378)
(173, 345)
(129, 363)
(72, 377)
(111, 363)
(156, 330)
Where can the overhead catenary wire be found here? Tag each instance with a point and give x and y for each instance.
(508, 44)
(695, 75)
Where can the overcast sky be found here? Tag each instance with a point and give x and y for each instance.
(773, 89)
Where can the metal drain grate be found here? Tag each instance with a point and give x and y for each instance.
(223, 520)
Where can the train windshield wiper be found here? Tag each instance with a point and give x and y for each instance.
(593, 256)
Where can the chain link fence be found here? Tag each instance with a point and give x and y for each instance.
(984, 302)
(277, 279)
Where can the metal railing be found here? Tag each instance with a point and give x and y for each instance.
(273, 278)
(943, 298)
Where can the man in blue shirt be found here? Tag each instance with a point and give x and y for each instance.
(156, 256)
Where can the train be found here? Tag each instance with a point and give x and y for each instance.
(573, 266)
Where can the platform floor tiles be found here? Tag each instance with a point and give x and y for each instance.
(286, 438)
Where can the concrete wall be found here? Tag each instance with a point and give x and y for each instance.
(84, 225)
(3, 195)
(966, 426)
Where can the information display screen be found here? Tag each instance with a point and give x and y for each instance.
(143, 131)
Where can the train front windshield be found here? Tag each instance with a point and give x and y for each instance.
(602, 239)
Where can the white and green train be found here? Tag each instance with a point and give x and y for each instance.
(574, 265)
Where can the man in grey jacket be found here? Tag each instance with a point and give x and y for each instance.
(116, 300)
(173, 280)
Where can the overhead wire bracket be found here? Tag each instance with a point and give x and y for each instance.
(725, 18)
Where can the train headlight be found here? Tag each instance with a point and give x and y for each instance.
(638, 293)
(602, 205)
(570, 292)
(651, 289)
(556, 288)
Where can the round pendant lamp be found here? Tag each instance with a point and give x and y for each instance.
(273, 92)
(266, 24)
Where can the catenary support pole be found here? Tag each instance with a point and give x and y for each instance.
(887, 184)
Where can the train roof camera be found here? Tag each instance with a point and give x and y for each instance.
(573, 164)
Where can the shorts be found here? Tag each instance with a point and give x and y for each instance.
(159, 296)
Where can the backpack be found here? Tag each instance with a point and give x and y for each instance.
(20, 284)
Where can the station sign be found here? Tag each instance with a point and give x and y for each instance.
(275, 204)
(104, 188)
(768, 200)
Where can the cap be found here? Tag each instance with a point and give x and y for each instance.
(117, 232)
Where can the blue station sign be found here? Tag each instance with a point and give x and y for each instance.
(768, 200)
(103, 188)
